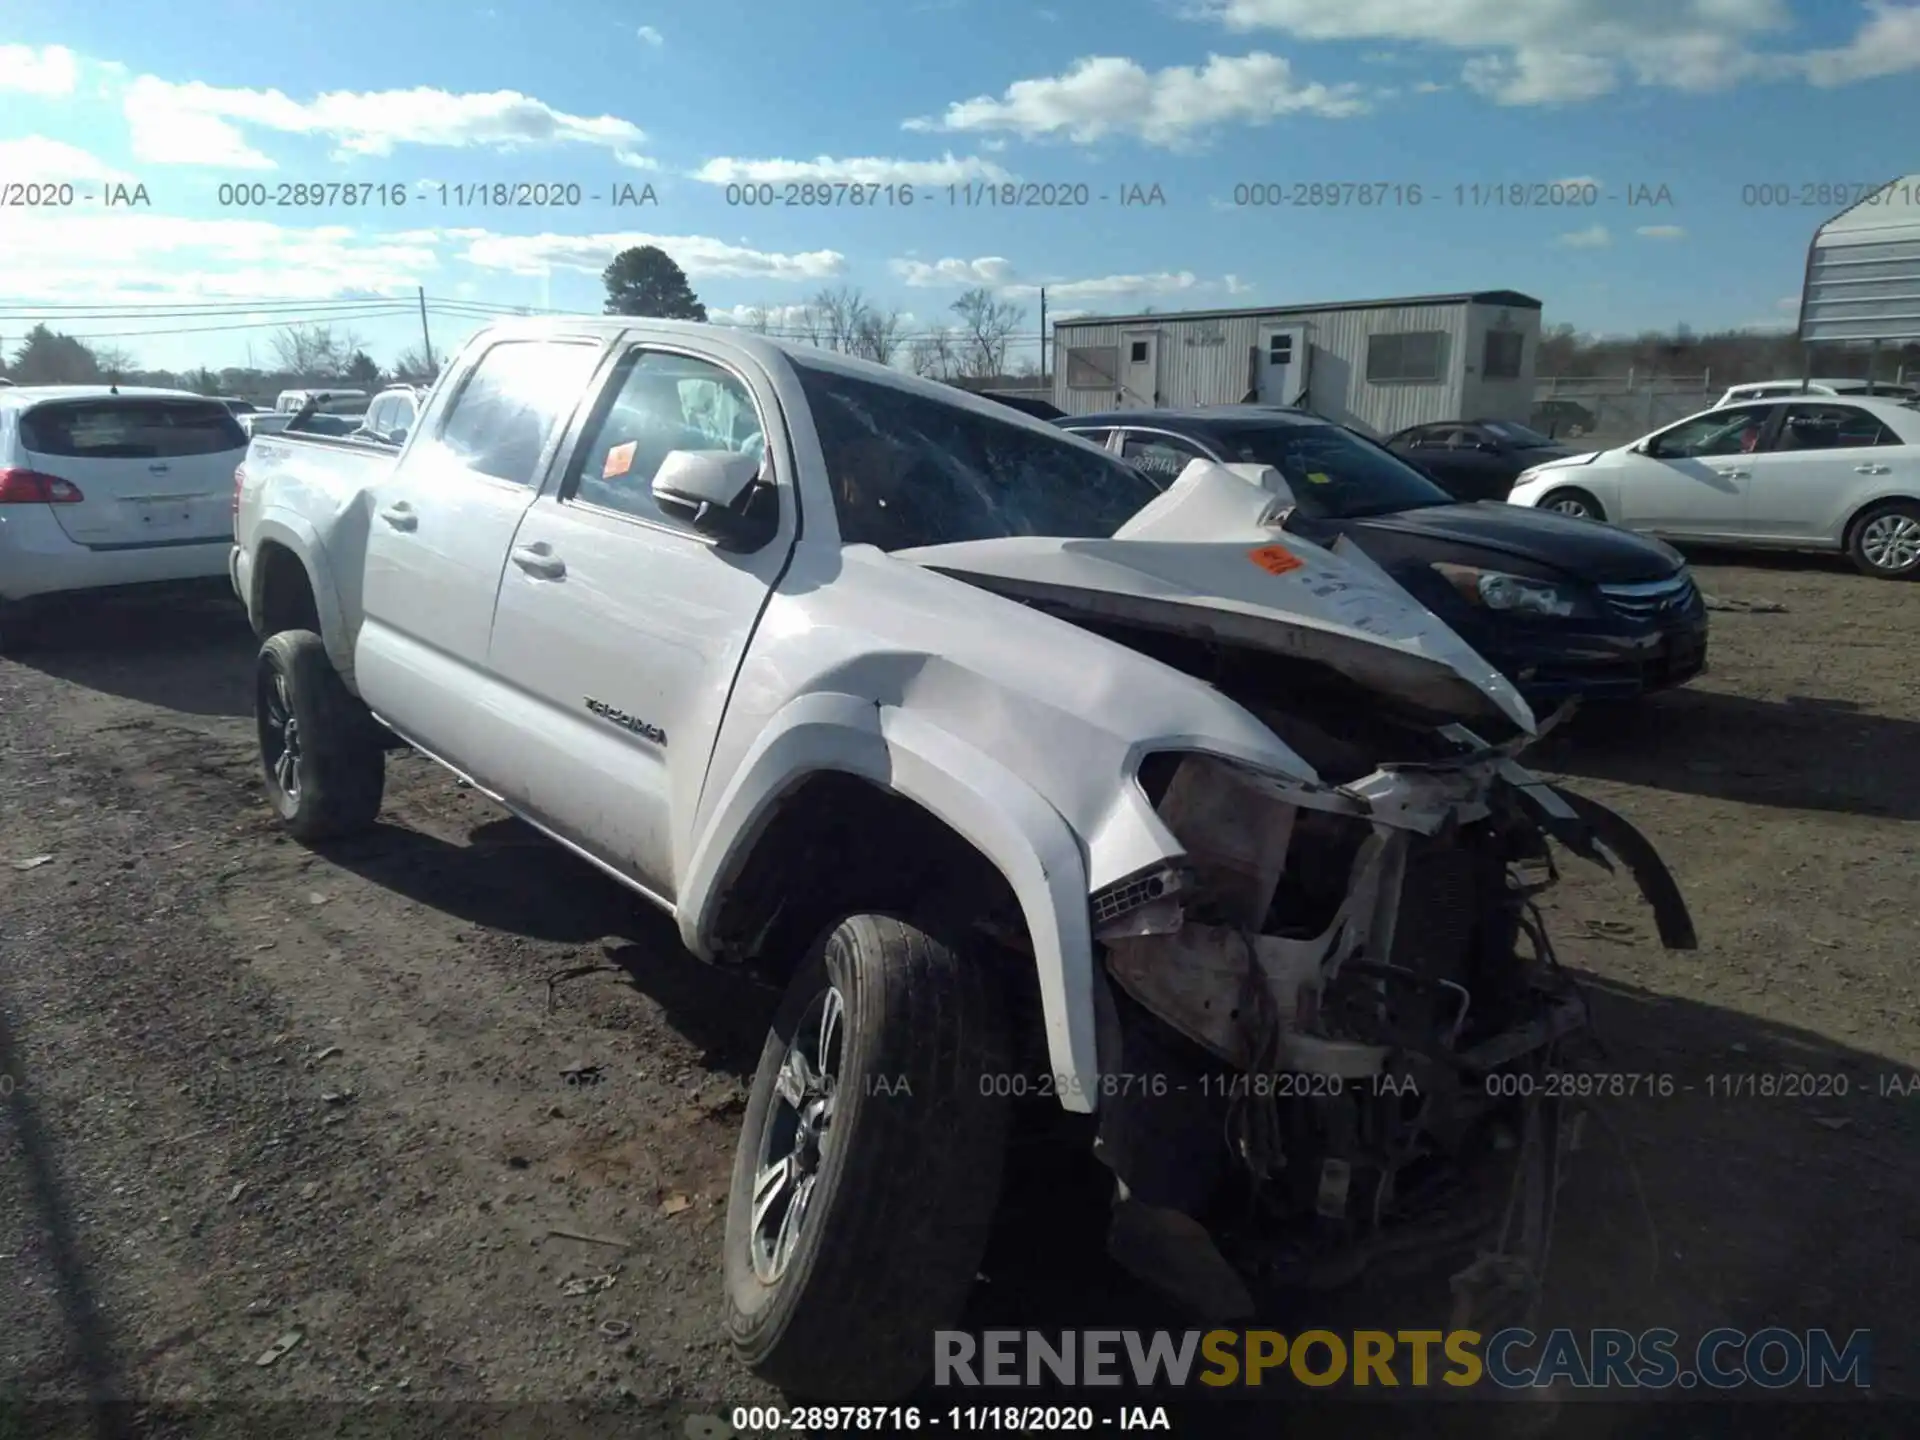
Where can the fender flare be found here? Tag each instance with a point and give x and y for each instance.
(297, 534)
(994, 810)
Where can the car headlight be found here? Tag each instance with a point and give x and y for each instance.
(1516, 594)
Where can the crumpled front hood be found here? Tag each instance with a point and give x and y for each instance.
(1205, 558)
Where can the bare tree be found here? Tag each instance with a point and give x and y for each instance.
(413, 368)
(935, 355)
(844, 315)
(114, 360)
(315, 352)
(878, 337)
(805, 322)
(758, 320)
(986, 325)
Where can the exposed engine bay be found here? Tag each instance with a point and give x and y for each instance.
(1350, 998)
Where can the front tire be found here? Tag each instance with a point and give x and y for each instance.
(861, 1205)
(320, 750)
(1577, 503)
(1885, 541)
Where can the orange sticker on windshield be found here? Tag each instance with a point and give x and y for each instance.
(619, 460)
(1275, 559)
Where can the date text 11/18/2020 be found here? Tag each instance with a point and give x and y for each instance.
(969, 195)
(1224, 1086)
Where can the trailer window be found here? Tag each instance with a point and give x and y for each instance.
(1412, 355)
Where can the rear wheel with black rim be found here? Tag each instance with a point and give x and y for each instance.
(322, 754)
(1577, 503)
(869, 1162)
(1885, 541)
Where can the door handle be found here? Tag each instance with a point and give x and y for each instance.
(1734, 474)
(400, 516)
(537, 560)
(1870, 470)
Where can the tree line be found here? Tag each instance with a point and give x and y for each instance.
(972, 346)
(305, 356)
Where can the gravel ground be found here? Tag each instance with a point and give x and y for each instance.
(457, 1112)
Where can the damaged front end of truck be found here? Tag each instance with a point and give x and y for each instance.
(1333, 1026)
(1327, 1023)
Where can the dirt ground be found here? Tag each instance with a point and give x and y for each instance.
(252, 1092)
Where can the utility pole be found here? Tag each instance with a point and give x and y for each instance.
(1043, 332)
(426, 340)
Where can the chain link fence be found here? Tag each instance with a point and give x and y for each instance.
(1600, 413)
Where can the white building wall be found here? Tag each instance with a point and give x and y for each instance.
(1484, 399)
(1209, 361)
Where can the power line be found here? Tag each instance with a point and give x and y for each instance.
(280, 324)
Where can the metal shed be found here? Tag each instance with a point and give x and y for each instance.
(1380, 365)
(1863, 271)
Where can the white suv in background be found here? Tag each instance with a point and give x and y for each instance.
(104, 487)
(1780, 389)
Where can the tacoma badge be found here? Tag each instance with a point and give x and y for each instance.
(627, 722)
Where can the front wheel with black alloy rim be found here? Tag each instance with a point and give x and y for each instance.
(1885, 542)
(869, 1162)
(1577, 503)
(321, 752)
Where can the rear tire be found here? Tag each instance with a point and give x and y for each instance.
(1573, 502)
(19, 626)
(1885, 541)
(321, 752)
(901, 1176)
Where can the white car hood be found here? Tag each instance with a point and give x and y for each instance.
(1206, 559)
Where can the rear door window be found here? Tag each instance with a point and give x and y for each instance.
(511, 404)
(127, 428)
(1832, 427)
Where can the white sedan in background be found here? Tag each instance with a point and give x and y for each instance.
(1814, 473)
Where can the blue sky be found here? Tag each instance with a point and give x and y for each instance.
(1706, 98)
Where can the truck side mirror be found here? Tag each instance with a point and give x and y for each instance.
(713, 491)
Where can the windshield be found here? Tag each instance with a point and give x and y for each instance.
(1333, 473)
(1519, 436)
(910, 470)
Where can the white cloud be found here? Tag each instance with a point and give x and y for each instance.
(1662, 232)
(868, 170)
(49, 70)
(1539, 77)
(36, 158)
(1105, 286)
(197, 123)
(1430, 87)
(651, 36)
(998, 274)
(1594, 237)
(701, 256)
(135, 257)
(1563, 51)
(1887, 44)
(1787, 302)
(1236, 286)
(990, 270)
(1109, 95)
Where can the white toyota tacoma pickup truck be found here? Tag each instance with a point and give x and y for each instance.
(1024, 779)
